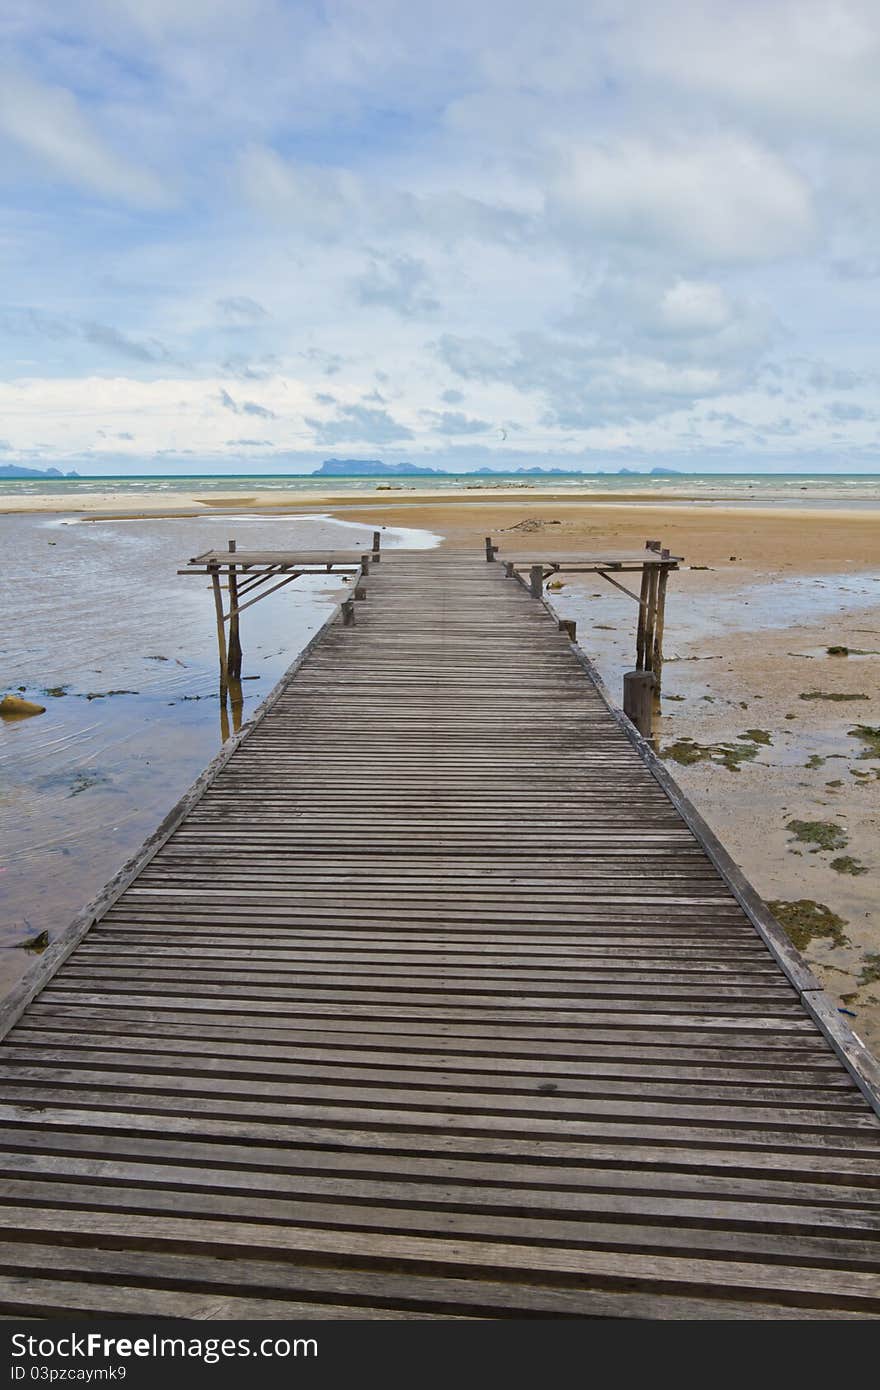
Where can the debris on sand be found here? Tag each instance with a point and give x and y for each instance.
(531, 523)
(829, 695)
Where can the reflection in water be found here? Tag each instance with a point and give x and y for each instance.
(127, 672)
(235, 706)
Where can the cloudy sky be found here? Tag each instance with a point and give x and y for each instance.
(251, 234)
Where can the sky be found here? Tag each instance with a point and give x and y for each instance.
(248, 235)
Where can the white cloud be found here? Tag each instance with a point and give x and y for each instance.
(810, 64)
(48, 125)
(714, 198)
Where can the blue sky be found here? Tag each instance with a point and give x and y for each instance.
(247, 235)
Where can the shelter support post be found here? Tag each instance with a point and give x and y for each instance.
(234, 635)
(214, 571)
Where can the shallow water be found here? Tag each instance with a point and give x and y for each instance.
(98, 610)
(859, 491)
(711, 618)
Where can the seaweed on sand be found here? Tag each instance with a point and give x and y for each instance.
(870, 736)
(686, 753)
(824, 834)
(804, 920)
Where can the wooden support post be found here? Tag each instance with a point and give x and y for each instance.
(536, 580)
(508, 569)
(569, 626)
(657, 652)
(490, 549)
(348, 613)
(377, 541)
(214, 571)
(234, 637)
(651, 615)
(360, 591)
(365, 563)
(643, 611)
(638, 700)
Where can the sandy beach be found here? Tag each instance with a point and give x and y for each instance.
(767, 731)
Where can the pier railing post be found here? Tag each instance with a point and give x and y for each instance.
(348, 613)
(491, 549)
(377, 541)
(536, 580)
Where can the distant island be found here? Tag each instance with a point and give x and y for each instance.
(15, 470)
(375, 468)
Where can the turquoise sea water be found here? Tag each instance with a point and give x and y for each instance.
(811, 489)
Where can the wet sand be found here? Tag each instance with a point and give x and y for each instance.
(746, 638)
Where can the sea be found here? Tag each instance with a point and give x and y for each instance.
(850, 490)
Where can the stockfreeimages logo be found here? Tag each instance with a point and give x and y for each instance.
(96, 1346)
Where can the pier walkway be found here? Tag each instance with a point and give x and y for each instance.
(438, 1001)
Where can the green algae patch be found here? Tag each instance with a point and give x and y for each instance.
(845, 864)
(814, 760)
(36, 945)
(805, 920)
(868, 735)
(84, 781)
(757, 736)
(852, 651)
(105, 694)
(824, 834)
(870, 973)
(834, 695)
(686, 753)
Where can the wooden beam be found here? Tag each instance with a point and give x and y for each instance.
(629, 593)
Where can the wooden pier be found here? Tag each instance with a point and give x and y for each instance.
(435, 999)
